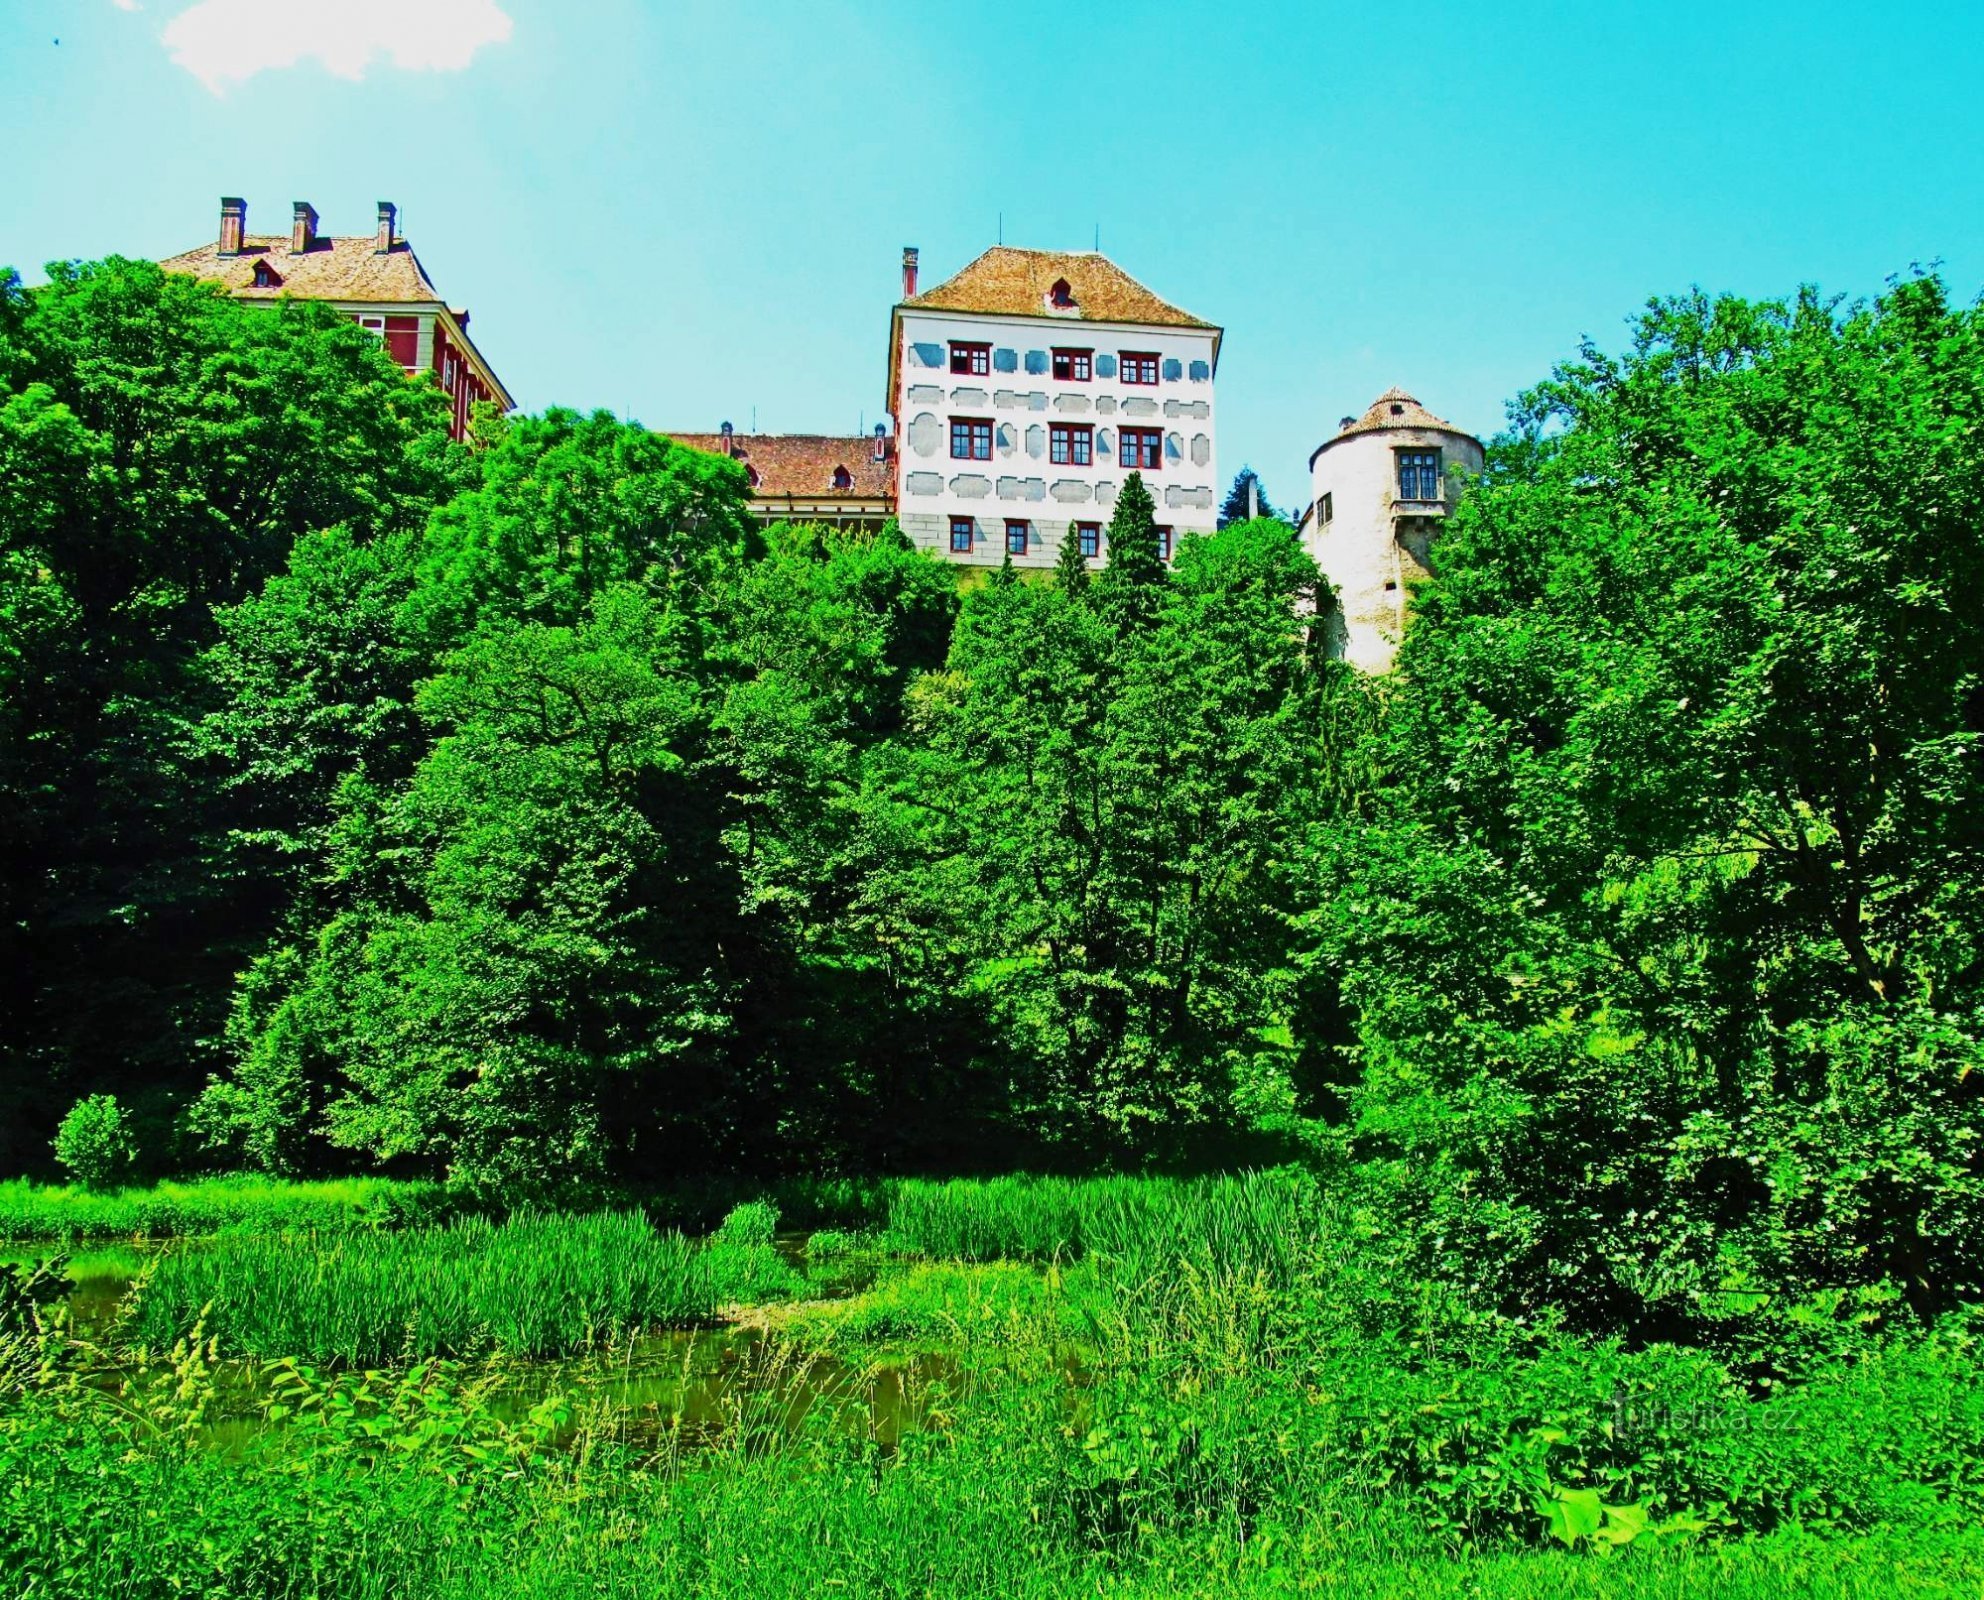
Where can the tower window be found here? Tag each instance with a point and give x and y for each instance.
(1419, 474)
(1326, 508)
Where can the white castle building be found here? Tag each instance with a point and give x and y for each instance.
(1025, 389)
(1381, 488)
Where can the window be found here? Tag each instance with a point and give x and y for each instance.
(1139, 367)
(1070, 444)
(1061, 295)
(962, 529)
(1016, 536)
(971, 440)
(1164, 543)
(1140, 449)
(843, 479)
(266, 276)
(1326, 508)
(1074, 366)
(1419, 474)
(1088, 535)
(971, 360)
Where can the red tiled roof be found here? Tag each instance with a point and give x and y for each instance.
(331, 269)
(1392, 409)
(1020, 283)
(802, 464)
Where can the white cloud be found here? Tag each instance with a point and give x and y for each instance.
(222, 42)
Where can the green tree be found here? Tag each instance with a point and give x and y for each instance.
(1105, 807)
(1132, 584)
(1245, 500)
(162, 448)
(1664, 941)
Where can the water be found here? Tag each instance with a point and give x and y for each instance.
(664, 1391)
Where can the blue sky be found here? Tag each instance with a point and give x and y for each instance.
(688, 213)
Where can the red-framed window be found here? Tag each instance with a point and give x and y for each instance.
(1164, 542)
(971, 439)
(1070, 444)
(972, 360)
(1074, 366)
(1088, 536)
(963, 529)
(1138, 366)
(1140, 449)
(1017, 535)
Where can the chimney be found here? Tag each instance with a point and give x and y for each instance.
(909, 272)
(233, 224)
(729, 440)
(389, 216)
(303, 229)
(881, 442)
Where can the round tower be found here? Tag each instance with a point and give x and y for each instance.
(1380, 490)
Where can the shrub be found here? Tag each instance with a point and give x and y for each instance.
(94, 1142)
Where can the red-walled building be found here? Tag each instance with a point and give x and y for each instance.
(377, 280)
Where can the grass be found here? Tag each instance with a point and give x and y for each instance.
(1147, 1225)
(67, 1212)
(1253, 1409)
(534, 1285)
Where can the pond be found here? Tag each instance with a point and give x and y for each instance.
(662, 1391)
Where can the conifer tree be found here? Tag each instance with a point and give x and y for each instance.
(1071, 571)
(1134, 577)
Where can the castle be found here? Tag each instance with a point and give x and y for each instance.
(1024, 388)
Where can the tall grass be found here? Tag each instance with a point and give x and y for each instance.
(209, 1205)
(1258, 1222)
(534, 1285)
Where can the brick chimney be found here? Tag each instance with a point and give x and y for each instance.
(303, 228)
(233, 224)
(881, 442)
(389, 216)
(909, 272)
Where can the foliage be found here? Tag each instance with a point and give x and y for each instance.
(1662, 941)
(161, 449)
(94, 1141)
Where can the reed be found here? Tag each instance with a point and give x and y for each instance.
(534, 1285)
(1253, 1223)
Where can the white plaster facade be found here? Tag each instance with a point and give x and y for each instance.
(1022, 399)
(1371, 522)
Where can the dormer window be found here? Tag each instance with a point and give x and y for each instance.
(843, 479)
(266, 276)
(751, 473)
(1061, 297)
